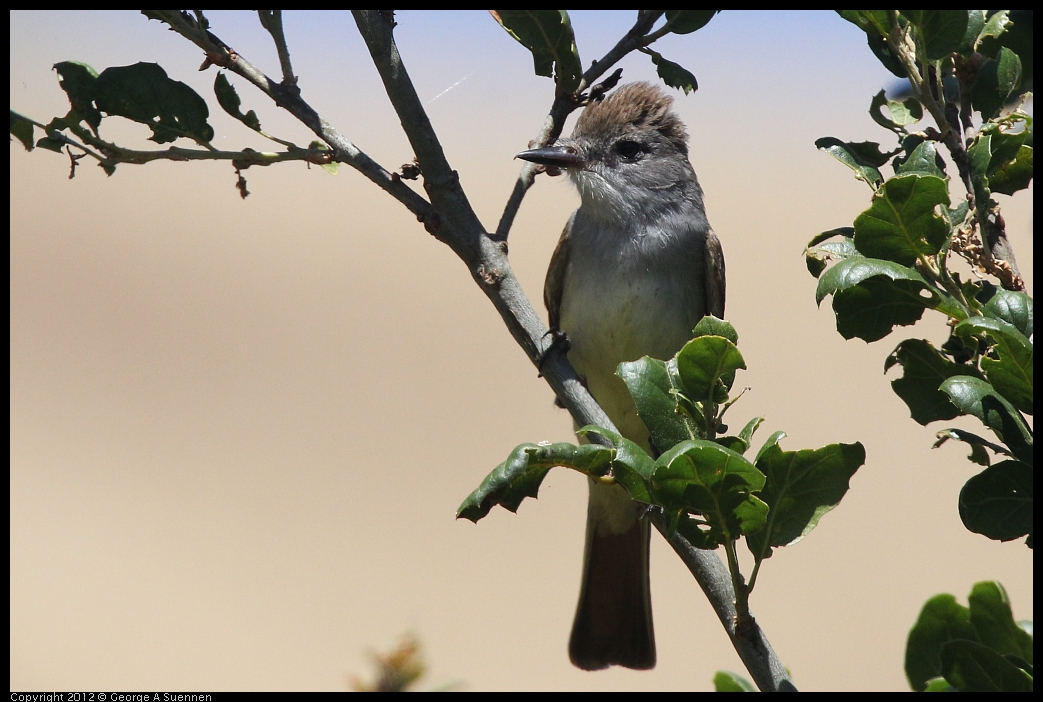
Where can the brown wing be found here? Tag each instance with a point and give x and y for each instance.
(714, 280)
(555, 283)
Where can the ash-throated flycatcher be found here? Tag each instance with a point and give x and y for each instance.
(634, 271)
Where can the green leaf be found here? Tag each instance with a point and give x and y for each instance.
(923, 160)
(673, 74)
(872, 22)
(944, 31)
(909, 111)
(521, 474)
(902, 224)
(996, 25)
(727, 681)
(50, 144)
(997, 79)
(871, 297)
(975, 26)
(77, 80)
(800, 487)
(705, 478)
(332, 167)
(22, 129)
(228, 98)
(688, 21)
(143, 93)
(972, 667)
(939, 684)
(712, 326)
(992, 618)
(997, 502)
(746, 435)
(1015, 308)
(978, 453)
(978, 398)
(817, 253)
(1014, 175)
(631, 466)
(1011, 373)
(941, 620)
(705, 360)
(548, 35)
(850, 157)
(773, 440)
(924, 369)
(649, 384)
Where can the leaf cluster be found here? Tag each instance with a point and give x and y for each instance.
(702, 476)
(548, 35)
(979, 648)
(894, 263)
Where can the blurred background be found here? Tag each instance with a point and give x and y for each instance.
(240, 428)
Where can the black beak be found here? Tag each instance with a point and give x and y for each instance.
(556, 156)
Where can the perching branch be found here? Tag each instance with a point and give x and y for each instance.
(462, 231)
(715, 581)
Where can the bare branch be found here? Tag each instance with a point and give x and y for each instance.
(272, 21)
(220, 54)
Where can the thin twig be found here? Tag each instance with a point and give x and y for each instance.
(219, 53)
(272, 21)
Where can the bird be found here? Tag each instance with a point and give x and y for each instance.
(635, 269)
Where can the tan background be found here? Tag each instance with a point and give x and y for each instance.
(240, 429)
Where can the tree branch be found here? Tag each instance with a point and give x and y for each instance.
(272, 21)
(220, 54)
(746, 635)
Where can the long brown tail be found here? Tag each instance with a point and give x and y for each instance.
(613, 624)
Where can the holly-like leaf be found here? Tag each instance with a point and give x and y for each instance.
(844, 152)
(228, 98)
(993, 620)
(673, 74)
(548, 35)
(997, 79)
(972, 667)
(944, 31)
(902, 224)
(941, 620)
(143, 93)
(997, 502)
(978, 398)
(77, 80)
(817, 253)
(1014, 308)
(705, 360)
(906, 112)
(800, 487)
(521, 474)
(631, 466)
(688, 21)
(713, 326)
(923, 160)
(1011, 373)
(727, 681)
(924, 369)
(22, 129)
(1013, 175)
(871, 297)
(705, 478)
(650, 386)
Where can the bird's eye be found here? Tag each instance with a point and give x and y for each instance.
(629, 150)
